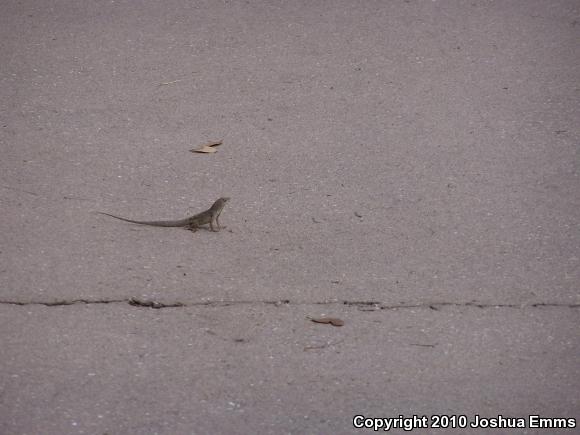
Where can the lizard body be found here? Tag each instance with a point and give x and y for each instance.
(192, 223)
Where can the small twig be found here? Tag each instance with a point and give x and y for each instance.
(170, 83)
(422, 345)
(76, 198)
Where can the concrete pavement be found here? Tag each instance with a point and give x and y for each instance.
(410, 167)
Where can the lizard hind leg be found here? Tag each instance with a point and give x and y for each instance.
(192, 228)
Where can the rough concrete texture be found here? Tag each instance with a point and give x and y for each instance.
(411, 167)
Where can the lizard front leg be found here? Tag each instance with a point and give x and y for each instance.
(217, 221)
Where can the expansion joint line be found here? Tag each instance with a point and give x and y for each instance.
(361, 305)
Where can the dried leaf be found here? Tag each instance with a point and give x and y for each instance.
(334, 321)
(207, 148)
(204, 149)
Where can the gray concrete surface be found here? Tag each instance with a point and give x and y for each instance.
(411, 167)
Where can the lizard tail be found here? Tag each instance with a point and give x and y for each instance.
(180, 223)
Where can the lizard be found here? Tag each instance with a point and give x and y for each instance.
(192, 223)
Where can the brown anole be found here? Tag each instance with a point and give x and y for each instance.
(192, 223)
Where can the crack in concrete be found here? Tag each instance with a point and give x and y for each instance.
(362, 305)
(59, 303)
